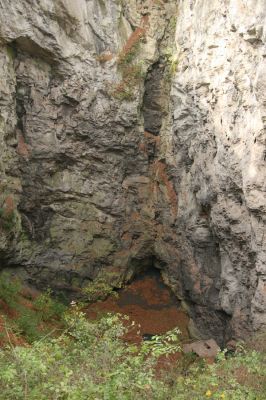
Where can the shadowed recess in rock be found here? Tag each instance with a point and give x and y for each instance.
(148, 302)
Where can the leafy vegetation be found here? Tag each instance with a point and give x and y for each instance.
(224, 379)
(127, 56)
(8, 215)
(28, 318)
(98, 289)
(90, 359)
(48, 308)
(7, 220)
(132, 72)
(101, 287)
(171, 61)
(9, 289)
(131, 77)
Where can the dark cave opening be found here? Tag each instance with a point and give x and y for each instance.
(204, 321)
(145, 265)
(147, 301)
(154, 276)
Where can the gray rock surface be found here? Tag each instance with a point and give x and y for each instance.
(124, 145)
(74, 180)
(218, 101)
(203, 348)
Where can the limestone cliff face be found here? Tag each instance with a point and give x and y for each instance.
(127, 142)
(75, 186)
(219, 112)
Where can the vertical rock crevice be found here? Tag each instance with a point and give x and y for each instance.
(152, 107)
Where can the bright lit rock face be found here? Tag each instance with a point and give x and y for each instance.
(219, 114)
(124, 144)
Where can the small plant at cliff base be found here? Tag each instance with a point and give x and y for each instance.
(9, 289)
(32, 323)
(99, 289)
(161, 345)
(47, 307)
(27, 316)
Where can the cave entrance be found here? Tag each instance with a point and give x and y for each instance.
(148, 302)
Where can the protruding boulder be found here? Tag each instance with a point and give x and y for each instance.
(203, 348)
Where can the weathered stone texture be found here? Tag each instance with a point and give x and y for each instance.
(93, 181)
(70, 155)
(219, 138)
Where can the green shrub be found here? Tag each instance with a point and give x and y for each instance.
(27, 324)
(90, 360)
(9, 289)
(29, 317)
(7, 220)
(32, 323)
(132, 72)
(98, 289)
(132, 75)
(47, 307)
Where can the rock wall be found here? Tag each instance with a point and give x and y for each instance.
(219, 110)
(124, 146)
(74, 180)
